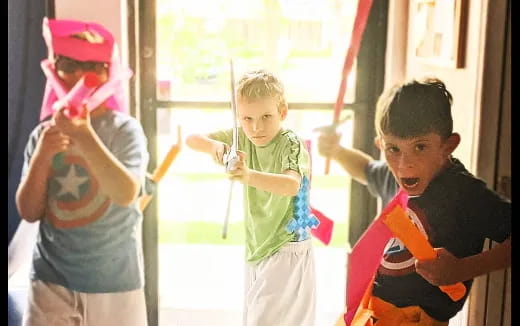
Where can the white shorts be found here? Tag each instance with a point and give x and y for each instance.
(51, 304)
(281, 289)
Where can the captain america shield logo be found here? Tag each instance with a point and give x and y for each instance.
(397, 260)
(74, 199)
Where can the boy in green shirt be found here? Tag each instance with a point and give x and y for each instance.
(274, 166)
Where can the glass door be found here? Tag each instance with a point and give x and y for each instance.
(194, 276)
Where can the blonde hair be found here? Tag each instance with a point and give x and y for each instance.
(260, 84)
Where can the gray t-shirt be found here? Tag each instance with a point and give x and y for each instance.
(380, 182)
(86, 242)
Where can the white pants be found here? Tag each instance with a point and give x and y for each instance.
(51, 304)
(281, 290)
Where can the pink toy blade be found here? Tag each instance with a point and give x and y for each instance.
(53, 89)
(109, 89)
(52, 78)
(77, 96)
(366, 256)
(324, 230)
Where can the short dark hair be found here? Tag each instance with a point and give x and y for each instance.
(415, 108)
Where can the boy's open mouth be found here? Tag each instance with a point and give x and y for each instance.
(410, 183)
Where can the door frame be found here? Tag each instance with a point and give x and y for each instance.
(490, 297)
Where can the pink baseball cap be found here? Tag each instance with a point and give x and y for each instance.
(59, 36)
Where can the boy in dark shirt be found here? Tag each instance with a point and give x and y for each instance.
(454, 209)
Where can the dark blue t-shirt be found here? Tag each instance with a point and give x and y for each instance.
(457, 212)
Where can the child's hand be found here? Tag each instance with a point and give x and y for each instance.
(328, 141)
(76, 127)
(51, 142)
(240, 171)
(443, 270)
(220, 150)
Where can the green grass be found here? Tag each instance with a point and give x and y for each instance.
(175, 232)
(199, 233)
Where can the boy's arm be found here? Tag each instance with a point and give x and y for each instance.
(202, 143)
(115, 180)
(285, 184)
(447, 269)
(31, 195)
(32, 192)
(352, 160)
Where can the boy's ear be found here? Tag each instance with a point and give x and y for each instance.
(452, 142)
(283, 111)
(377, 142)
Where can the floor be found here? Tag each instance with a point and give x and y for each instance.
(203, 284)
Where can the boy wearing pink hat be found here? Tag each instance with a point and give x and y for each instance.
(84, 166)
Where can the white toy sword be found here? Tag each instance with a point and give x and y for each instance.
(231, 157)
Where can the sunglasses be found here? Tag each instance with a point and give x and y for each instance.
(68, 65)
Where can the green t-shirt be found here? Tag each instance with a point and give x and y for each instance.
(266, 214)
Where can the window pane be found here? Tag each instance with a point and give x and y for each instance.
(302, 42)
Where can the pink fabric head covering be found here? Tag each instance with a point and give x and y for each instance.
(100, 47)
